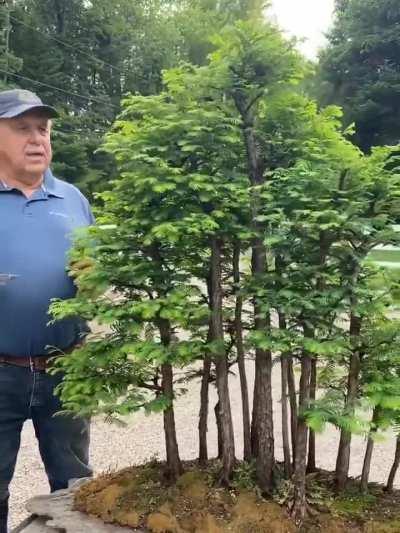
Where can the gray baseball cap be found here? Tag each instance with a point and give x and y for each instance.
(17, 101)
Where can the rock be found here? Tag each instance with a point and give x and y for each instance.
(56, 514)
(34, 525)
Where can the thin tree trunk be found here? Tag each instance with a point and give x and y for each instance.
(368, 452)
(241, 356)
(285, 418)
(203, 414)
(221, 363)
(284, 406)
(265, 459)
(311, 464)
(324, 245)
(279, 269)
(173, 461)
(254, 418)
(293, 403)
(219, 430)
(343, 458)
(299, 478)
(395, 466)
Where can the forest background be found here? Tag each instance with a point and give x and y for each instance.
(83, 56)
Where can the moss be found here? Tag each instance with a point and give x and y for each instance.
(392, 526)
(142, 497)
(354, 505)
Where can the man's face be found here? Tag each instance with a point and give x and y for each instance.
(25, 148)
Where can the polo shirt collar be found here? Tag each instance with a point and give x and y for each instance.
(49, 185)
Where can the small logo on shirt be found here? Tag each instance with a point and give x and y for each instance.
(5, 278)
(57, 214)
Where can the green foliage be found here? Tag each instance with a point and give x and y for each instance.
(319, 205)
(244, 476)
(86, 56)
(360, 69)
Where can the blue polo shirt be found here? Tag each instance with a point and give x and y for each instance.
(35, 236)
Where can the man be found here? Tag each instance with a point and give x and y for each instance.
(38, 214)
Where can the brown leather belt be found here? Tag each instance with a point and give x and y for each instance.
(39, 362)
(36, 362)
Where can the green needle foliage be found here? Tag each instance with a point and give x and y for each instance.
(231, 159)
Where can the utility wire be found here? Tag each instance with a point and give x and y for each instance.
(89, 98)
(68, 45)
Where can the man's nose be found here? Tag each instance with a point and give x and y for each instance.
(34, 136)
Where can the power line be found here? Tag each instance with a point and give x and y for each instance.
(89, 98)
(68, 45)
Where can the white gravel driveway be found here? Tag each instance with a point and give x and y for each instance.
(115, 447)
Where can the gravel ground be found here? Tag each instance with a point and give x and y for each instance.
(116, 447)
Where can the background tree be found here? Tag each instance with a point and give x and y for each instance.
(359, 69)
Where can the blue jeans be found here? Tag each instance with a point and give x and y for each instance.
(63, 440)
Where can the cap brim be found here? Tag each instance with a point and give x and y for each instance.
(19, 110)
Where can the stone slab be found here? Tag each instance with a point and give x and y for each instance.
(54, 514)
(34, 524)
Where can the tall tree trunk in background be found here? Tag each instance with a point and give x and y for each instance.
(311, 464)
(241, 355)
(368, 452)
(59, 12)
(173, 461)
(395, 466)
(221, 363)
(262, 424)
(299, 478)
(343, 458)
(203, 414)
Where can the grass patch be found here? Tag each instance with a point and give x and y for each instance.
(390, 256)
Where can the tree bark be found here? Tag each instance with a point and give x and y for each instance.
(262, 426)
(311, 464)
(293, 403)
(241, 356)
(284, 406)
(60, 16)
(368, 452)
(395, 466)
(343, 458)
(219, 430)
(173, 460)
(324, 245)
(254, 418)
(221, 363)
(265, 459)
(285, 419)
(299, 479)
(203, 414)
